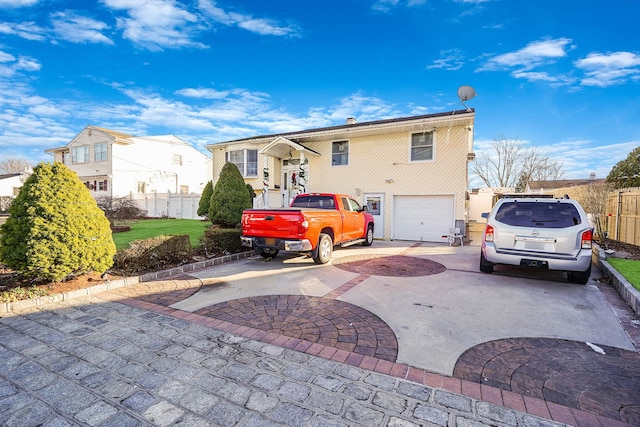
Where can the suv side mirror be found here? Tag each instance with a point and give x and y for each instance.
(485, 215)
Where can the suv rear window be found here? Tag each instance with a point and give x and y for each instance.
(538, 214)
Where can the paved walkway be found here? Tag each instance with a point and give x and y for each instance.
(125, 357)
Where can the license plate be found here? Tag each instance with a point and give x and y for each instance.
(270, 241)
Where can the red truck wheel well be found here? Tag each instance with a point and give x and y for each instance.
(329, 231)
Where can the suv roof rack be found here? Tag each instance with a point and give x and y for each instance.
(528, 196)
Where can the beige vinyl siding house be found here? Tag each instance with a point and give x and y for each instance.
(411, 172)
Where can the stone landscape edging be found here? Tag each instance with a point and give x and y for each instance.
(626, 290)
(17, 306)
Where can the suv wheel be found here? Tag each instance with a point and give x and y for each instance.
(485, 266)
(580, 277)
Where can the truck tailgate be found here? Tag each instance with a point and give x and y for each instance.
(281, 223)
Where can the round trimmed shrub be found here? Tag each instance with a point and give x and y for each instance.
(55, 229)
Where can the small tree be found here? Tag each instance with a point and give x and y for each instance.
(14, 165)
(593, 198)
(120, 209)
(230, 197)
(205, 200)
(252, 193)
(626, 173)
(55, 228)
(509, 163)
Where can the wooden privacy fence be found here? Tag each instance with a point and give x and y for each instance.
(622, 213)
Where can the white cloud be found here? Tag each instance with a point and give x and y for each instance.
(587, 156)
(156, 24)
(28, 64)
(25, 30)
(17, 3)
(388, 5)
(10, 65)
(361, 107)
(76, 28)
(260, 26)
(6, 57)
(609, 69)
(531, 56)
(47, 110)
(450, 60)
(205, 93)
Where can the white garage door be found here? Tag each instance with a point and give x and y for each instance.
(422, 218)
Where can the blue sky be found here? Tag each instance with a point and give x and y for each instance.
(563, 76)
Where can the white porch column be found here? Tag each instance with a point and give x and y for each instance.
(265, 182)
(302, 176)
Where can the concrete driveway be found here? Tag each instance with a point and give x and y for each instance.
(437, 303)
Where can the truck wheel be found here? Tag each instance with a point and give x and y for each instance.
(580, 277)
(324, 250)
(368, 238)
(485, 266)
(268, 252)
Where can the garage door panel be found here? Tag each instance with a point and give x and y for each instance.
(423, 218)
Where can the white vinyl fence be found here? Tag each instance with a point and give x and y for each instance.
(159, 205)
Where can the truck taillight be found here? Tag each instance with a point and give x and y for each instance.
(303, 226)
(488, 234)
(587, 237)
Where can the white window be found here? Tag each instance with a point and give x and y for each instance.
(245, 160)
(422, 146)
(177, 159)
(339, 153)
(65, 157)
(102, 185)
(100, 152)
(142, 187)
(80, 154)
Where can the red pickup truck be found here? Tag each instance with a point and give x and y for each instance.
(314, 223)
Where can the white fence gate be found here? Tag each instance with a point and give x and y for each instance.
(158, 205)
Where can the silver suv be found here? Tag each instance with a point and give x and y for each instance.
(538, 232)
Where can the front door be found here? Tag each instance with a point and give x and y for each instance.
(286, 188)
(292, 183)
(375, 203)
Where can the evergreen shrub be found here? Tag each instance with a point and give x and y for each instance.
(55, 229)
(230, 197)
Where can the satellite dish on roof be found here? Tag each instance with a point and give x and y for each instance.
(465, 93)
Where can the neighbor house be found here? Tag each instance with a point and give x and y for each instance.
(411, 172)
(116, 164)
(558, 187)
(10, 184)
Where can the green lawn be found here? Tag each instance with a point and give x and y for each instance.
(629, 268)
(146, 229)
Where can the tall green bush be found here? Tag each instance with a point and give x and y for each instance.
(205, 200)
(230, 197)
(55, 229)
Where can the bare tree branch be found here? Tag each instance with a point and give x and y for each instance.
(14, 165)
(510, 164)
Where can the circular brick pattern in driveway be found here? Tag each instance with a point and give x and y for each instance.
(566, 372)
(324, 321)
(389, 265)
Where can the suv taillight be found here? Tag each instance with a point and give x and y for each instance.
(587, 237)
(488, 233)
